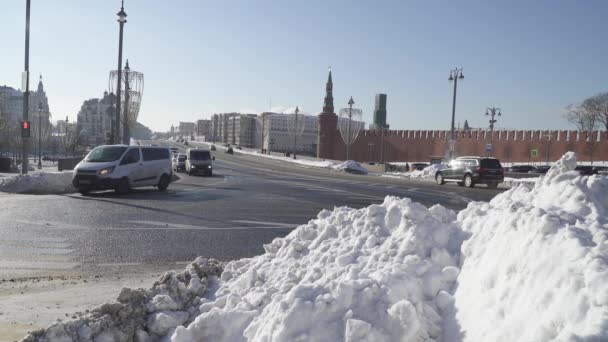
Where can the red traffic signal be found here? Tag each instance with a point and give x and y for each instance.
(25, 129)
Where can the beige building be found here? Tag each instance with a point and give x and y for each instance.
(95, 120)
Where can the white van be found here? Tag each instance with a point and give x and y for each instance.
(122, 168)
(199, 160)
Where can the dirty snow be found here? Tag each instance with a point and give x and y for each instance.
(531, 265)
(351, 166)
(38, 183)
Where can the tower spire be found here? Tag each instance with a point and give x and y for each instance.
(328, 105)
(40, 86)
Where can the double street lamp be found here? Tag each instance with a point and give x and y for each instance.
(40, 135)
(492, 112)
(455, 75)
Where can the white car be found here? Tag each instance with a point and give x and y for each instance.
(123, 168)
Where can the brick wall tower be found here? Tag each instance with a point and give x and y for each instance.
(328, 123)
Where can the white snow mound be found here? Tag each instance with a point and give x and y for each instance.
(536, 265)
(427, 172)
(38, 183)
(381, 273)
(351, 166)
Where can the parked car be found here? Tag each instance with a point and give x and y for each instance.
(588, 170)
(540, 169)
(199, 161)
(123, 168)
(230, 150)
(521, 168)
(418, 166)
(179, 162)
(469, 171)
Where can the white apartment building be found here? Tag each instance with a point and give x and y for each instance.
(278, 138)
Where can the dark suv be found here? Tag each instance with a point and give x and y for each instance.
(469, 171)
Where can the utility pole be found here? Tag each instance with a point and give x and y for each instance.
(295, 132)
(492, 112)
(455, 75)
(262, 147)
(26, 94)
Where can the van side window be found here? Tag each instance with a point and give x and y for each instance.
(155, 153)
(131, 157)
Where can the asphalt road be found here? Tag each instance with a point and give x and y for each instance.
(248, 202)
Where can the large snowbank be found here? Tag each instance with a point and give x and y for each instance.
(427, 172)
(351, 166)
(38, 183)
(536, 265)
(531, 265)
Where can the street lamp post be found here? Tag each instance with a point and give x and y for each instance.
(122, 19)
(126, 134)
(65, 137)
(549, 136)
(26, 94)
(455, 75)
(492, 112)
(295, 131)
(351, 102)
(39, 135)
(371, 148)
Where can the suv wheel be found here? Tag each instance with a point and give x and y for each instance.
(123, 187)
(439, 178)
(468, 181)
(163, 183)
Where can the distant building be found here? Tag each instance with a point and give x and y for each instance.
(203, 129)
(379, 113)
(278, 138)
(187, 130)
(95, 119)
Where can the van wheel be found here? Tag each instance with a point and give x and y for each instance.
(468, 181)
(163, 183)
(439, 179)
(123, 187)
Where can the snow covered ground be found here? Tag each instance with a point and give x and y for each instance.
(351, 166)
(531, 265)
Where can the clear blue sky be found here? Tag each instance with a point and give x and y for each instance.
(531, 58)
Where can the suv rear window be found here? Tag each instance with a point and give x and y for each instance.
(155, 153)
(490, 164)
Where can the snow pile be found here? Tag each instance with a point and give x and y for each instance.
(381, 273)
(351, 166)
(427, 172)
(141, 315)
(536, 265)
(38, 183)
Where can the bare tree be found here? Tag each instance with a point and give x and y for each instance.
(586, 120)
(598, 105)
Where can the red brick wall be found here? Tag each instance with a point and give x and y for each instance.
(509, 146)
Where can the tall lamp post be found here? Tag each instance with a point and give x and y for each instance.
(492, 112)
(126, 134)
(455, 75)
(40, 135)
(295, 130)
(122, 19)
(26, 94)
(351, 102)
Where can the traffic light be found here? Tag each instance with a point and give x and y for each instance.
(25, 129)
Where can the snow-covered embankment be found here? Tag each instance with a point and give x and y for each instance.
(531, 265)
(38, 183)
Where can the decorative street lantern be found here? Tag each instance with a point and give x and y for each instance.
(130, 97)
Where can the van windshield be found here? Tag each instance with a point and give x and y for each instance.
(200, 155)
(105, 154)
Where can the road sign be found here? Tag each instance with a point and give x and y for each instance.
(488, 148)
(533, 153)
